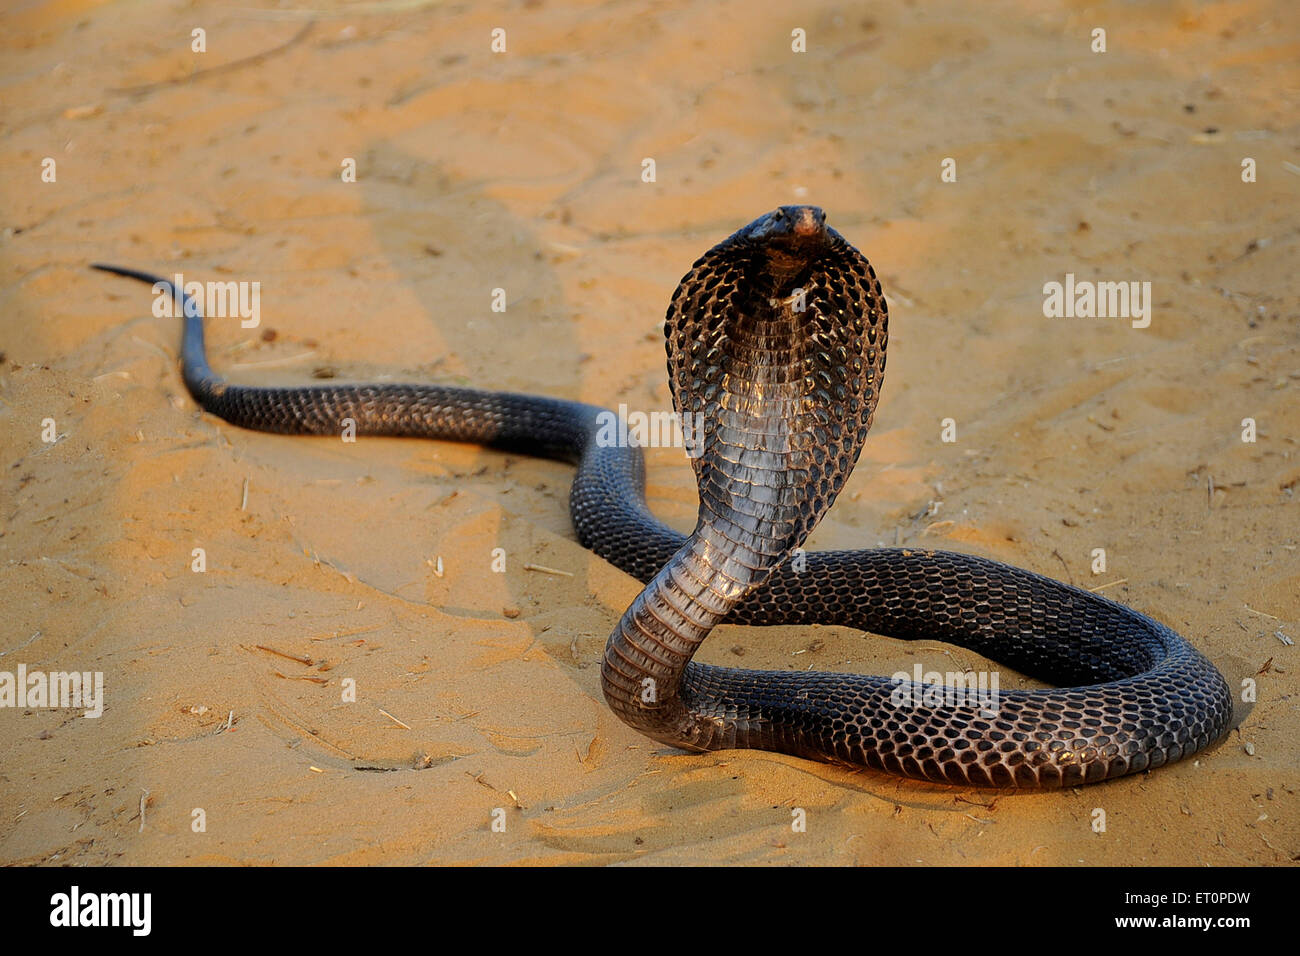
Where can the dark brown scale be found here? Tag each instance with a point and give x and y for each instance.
(788, 398)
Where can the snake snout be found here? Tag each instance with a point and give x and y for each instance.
(789, 229)
(808, 222)
(803, 224)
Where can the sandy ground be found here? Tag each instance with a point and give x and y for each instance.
(523, 171)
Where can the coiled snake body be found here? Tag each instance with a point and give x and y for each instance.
(776, 339)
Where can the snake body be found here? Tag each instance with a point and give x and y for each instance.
(776, 340)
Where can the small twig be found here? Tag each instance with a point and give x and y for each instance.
(293, 657)
(546, 570)
(243, 505)
(306, 677)
(394, 719)
(230, 721)
(1260, 613)
(1057, 554)
(22, 645)
(1109, 584)
(144, 798)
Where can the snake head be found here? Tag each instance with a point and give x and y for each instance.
(791, 235)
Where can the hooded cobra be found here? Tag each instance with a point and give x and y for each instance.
(776, 343)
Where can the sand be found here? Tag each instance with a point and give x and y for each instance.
(477, 692)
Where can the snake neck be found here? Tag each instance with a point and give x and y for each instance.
(647, 654)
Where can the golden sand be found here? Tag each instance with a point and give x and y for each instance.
(477, 693)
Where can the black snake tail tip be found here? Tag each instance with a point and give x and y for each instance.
(199, 377)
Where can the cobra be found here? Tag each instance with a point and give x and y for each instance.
(776, 342)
